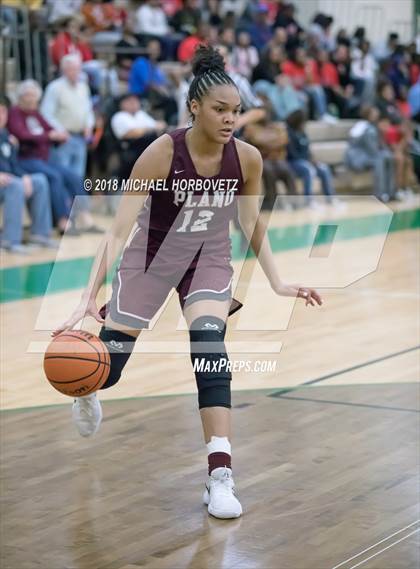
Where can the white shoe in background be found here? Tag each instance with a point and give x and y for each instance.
(219, 495)
(87, 414)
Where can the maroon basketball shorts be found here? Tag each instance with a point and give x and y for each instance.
(196, 271)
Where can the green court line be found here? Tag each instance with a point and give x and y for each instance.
(269, 390)
(29, 281)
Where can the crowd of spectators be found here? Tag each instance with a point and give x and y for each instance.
(119, 73)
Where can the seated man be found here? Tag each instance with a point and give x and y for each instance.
(36, 137)
(15, 188)
(136, 128)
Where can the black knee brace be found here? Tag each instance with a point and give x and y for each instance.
(120, 346)
(210, 362)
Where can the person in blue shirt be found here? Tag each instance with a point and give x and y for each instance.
(414, 101)
(260, 30)
(147, 79)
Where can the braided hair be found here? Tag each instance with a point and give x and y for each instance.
(208, 68)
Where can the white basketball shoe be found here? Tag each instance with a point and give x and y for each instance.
(219, 495)
(87, 414)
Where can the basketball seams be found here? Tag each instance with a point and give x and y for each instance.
(82, 339)
(99, 357)
(71, 357)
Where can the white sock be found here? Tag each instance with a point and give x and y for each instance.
(219, 444)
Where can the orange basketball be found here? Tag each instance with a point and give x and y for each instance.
(76, 363)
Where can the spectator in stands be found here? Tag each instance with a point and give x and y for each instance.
(303, 163)
(67, 107)
(403, 105)
(399, 71)
(105, 19)
(352, 87)
(152, 22)
(320, 32)
(213, 16)
(286, 19)
(275, 86)
(187, 47)
(36, 136)
(279, 39)
(342, 38)
(244, 55)
(147, 79)
(386, 48)
(414, 64)
(70, 40)
(398, 135)
(359, 37)
(260, 30)
(414, 101)
(271, 140)
(269, 65)
(127, 43)
(186, 20)
(151, 19)
(16, 187)
(364, 67)
(336, 94)
(136, 128)
(60, 12)
(227, 38)
(386, 103)
(368, 151)
(303, 73)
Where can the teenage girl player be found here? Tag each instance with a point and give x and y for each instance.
(182, 237)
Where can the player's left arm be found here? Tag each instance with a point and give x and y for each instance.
(255, 229)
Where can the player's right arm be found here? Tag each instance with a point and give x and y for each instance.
(153, 164)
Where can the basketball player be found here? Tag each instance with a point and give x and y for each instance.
(182, 239)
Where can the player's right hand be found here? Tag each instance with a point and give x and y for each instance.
(83, 310)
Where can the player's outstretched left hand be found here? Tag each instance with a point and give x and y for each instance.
(310, 295)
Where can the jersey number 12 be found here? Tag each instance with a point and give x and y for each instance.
(199, 224)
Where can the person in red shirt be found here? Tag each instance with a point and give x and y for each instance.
(187, 47)
(69, 40)
(336, 94)
(304, 74)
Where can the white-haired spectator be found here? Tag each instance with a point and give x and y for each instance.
(67, 107)
(36, 136)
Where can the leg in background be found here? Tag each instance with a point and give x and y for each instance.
(40, 206)
(306, 171)
(13, 196)
(324, 173)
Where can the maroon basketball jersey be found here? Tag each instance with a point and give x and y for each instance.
(188, 204)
